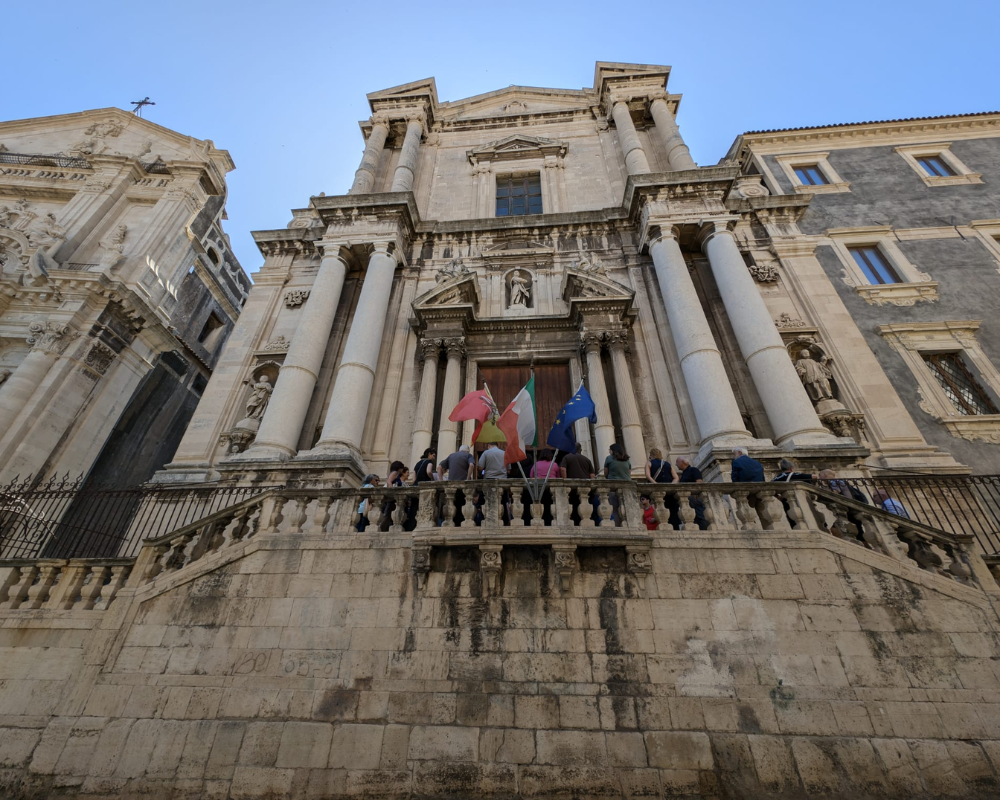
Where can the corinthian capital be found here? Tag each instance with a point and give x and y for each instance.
(591, 341)
(617, 340)
(455, 346)
(50, 337)
(430, 348)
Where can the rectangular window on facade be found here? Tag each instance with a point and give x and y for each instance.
(935, 167)
(874, 264)
(811, 175)
(959, 384)
(519, 194)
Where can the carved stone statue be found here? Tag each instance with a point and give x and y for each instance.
(259, 397)
(4, 374)
(47, 232)
(455, 268)
(815, 375)
(5, 214)
(520, 289)
(113, 246)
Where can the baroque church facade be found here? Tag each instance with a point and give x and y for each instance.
(270, 627)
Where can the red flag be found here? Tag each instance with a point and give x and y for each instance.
(475, 405)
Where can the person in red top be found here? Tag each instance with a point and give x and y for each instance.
(648, 513)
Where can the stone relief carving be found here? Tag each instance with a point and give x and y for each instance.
(17, 217)
(47, 232)
(99, 357)
(50, 337)
(93, 142)
(259, 398)
(296, 297)
(520, 289)
(815, 375)
(590, 263)
(279, 344)
(786, 320)
(455, 268)
(451, 297)
(515, 107)
(764, 272)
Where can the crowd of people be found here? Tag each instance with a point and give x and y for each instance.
(462, 465)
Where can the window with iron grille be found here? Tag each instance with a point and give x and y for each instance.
(519, 194)
(811, 175)
(960, 385)
(874, 264)
(935, 167)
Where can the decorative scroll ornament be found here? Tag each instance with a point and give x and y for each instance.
(296, 297)
(99, 357)
(280, 344)
(50, 337)
(786, 320)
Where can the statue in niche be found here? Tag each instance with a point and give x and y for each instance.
(520, 289)
(815, 375)
(259, 397)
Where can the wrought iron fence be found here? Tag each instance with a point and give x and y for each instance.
(962, 504)
(37, 160)
(63, 519)
(155, 168)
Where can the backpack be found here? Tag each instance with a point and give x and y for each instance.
(857, 494)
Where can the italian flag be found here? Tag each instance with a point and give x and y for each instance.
(518, 423)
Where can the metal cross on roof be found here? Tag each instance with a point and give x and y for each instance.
(140, 103)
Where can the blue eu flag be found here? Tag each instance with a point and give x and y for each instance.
(579, 407)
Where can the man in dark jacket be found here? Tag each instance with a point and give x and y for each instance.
(746, 469)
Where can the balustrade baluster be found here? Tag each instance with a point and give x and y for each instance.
(744, 512)
(119, 574)
(448, 505)
(537, 515)
(91, 592)
(660, 511)
(156, 562)
(560, 505)
(275, 518)
(321, 516)
(470, 490)
(298, 515)
(374, 513)
(685, 512)
(491, 508)
(584, 508)
(516, 508)
(38, 592)
(17, 594)
(70, 586)
(708, 510)
(399, 513)
(10, 578)
(604, 509)
(427, 509)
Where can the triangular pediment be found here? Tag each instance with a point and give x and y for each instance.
(457, 285)
(587, 280)
(518, 146)
(515, 101)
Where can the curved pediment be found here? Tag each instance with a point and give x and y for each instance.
(588, 279)
(518, 146)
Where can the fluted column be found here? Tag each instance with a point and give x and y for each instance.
(364, 178)
(48, 340)
(423, 420)
(635, 158)
(627, 407)
(712, 397)
(402, 179)
(677, 152)
(345, 418)
(281, 425)
(447, 442)
(788, 407)
(604, 430)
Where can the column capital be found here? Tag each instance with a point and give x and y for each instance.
(50, 337)
(663, 97)
(708, 229)
(455, 346)
(591, 341)
(430, 348)
(380, 118)
(617, 340)
(338, 250)
(656, 232)
(385, 247)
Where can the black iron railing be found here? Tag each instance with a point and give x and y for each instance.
(37, 160)
(155, 168)
(61, 519)
(962, 504)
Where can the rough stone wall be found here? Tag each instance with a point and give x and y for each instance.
(781, 664)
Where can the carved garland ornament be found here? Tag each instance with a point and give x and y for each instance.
(99, 358)
(296, 297)
(50, 337)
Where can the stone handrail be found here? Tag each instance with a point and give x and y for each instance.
(78, 584)
(485, 512)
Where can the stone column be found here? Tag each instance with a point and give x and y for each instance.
(281, 425)
(364, 178)
(345, 418)
(635, 158)
(677, 152)
(423, 420)
(604, 430)
(786, 403)
(48, 340)
(627, 408)
(402, 179)
(712, 397)
(447, 442)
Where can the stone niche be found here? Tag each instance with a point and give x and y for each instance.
(259, 386)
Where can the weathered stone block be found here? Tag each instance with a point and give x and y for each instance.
(679, 750)
(443, 742)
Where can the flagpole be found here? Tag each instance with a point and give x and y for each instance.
(555, 458)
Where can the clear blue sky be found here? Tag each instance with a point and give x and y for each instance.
(282, 85)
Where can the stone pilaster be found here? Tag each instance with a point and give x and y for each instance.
(364, 178)
(635, 157)
(628, 409)
(677, 152)
(715, 408)
(604, 430)
(402, 179)
(345, 418)
(786, 403)
(447, 430)
(281, 425)
(423, 419)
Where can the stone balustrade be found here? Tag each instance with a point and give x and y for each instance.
(488, 515)
(62, 584)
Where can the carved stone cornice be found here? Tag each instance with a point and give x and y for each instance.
(517, 147)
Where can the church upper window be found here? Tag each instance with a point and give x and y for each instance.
(519, 194)
(874, 264)
(959, 384)
(811, 175)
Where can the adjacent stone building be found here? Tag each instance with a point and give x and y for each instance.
(117, 294)
(820, 294)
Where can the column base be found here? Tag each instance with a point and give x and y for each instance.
(335, 455)
(185, 472)
(262, 452)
